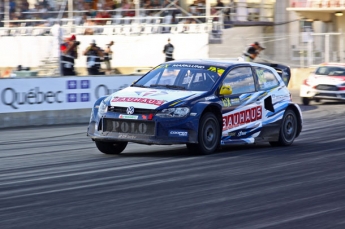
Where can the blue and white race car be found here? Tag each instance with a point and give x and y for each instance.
(203, 104)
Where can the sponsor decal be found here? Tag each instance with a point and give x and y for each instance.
(242, 117)
(161, 66)
(125, 127)
(210, 97)
(178, 133)
(220, 71)
(128, 116)
(138, 100)
(144, 117)
(235, 101)
(72, 97)
(226, 102)
(232, 134)
(78, 97)
(188, 66)
(241, 133)
(11, 97)
(127, 136)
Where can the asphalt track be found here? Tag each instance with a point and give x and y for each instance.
(54, 177)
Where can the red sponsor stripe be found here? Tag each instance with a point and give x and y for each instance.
(138, 100)
(242, 117)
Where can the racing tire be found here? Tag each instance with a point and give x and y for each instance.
(288, 129)
(305, 101)
(111, 147)
(208, 135)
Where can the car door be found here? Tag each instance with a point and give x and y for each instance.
(273, 98)
(241, 113)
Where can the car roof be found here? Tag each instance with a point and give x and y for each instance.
(332, 64)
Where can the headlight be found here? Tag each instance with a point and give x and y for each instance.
(178, 112)
(102, 109)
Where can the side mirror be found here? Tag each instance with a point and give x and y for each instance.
(225, 90)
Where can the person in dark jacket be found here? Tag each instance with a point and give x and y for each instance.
(68, 55)
(252, 52)
(93, 61)
(168, 51)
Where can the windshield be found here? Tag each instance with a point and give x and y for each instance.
(330, 71)
(181, 77)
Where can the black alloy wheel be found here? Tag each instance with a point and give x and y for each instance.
(288, 129)
(208, 135)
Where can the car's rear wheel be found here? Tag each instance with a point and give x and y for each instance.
(208, 135)
(111, 147)
(288, 129)
(305, 101)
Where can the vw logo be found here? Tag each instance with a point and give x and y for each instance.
(130, 110)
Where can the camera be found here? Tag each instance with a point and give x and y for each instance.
(77, 42)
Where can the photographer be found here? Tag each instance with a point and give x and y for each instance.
(68, 54)
(94, 55)
(108, 57)
(252, 52)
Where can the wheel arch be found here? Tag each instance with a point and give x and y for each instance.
(214, 108)
(298, 113)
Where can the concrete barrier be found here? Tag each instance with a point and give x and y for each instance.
(43, 118)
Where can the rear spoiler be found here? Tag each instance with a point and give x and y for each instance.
(283, 70)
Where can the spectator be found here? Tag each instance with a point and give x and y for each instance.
(219, 5)
(94, 54)
(168, 51)
(193, 8)
(89, 30)
(125, 7)
(12, 6)
(252, 52)
(108, 57)
(131, 12)
(102, 15)
(68, 55)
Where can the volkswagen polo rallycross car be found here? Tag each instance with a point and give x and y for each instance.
(327, 82)
(203, 104)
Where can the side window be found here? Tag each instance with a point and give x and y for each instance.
(241, 80)
(266, 78)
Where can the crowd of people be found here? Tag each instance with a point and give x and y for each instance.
(87, 13)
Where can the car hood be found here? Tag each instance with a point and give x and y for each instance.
(330, 80)
(148, 98)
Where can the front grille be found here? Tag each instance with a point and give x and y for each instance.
(129, 126)
(136, 110)
(326, 87)
(326, 94)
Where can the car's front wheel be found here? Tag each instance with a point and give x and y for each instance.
(288, 129)
(305, 101)
(208, 135)
(111, 147)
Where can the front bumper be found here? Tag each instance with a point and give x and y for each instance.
(167, 131)
(311, 93)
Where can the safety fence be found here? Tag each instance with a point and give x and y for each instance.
(295, 49)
